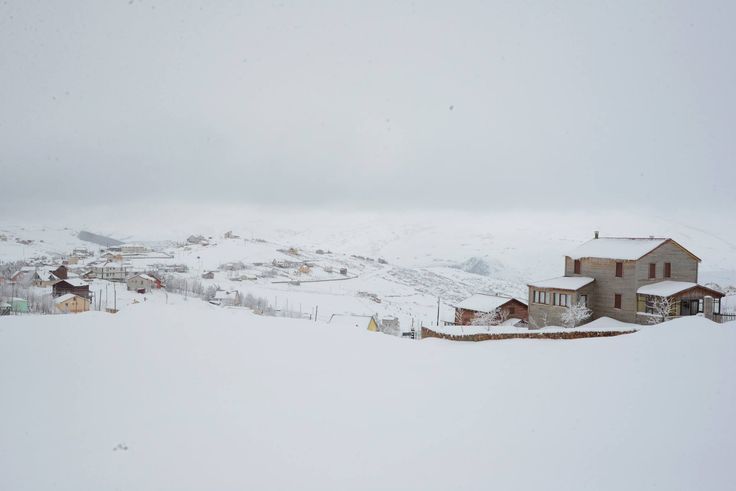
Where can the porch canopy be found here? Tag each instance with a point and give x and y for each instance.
(670, 288)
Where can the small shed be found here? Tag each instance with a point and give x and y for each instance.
(70, 303)
(209, 275)
(18, 305)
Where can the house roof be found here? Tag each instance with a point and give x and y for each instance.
(74, 282)
(564, 283)
(222, 294)
(624, 248)
(65, 297)
(481, 302)
(669, 288)
(144, 276)
(349, 320)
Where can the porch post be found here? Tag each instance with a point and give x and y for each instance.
(708, 307)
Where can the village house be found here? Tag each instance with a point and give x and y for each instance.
(481, 303)
(112, 270)
(208, 275)
(129, 249)
(622, 278)
(70, 303)
(70, 285)
(226, 298)
(24, 274)
(62, 272)
(44, 278)
(142, 283)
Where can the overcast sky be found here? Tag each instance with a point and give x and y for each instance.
(369, 104)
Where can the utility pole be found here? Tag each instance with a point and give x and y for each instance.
(115, 296)
(438, 311)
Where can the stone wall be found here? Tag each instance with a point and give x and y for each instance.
(489, 336)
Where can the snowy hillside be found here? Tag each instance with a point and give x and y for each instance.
(189, 396)
(448, 255)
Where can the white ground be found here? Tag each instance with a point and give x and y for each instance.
(191, 396)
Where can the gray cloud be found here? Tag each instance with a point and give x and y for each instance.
(481, 104)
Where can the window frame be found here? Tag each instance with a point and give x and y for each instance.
(576, 266)
(668, 270)
(619, 269)
(617, 301)
(652, 271)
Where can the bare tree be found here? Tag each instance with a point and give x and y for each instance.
(575, 314)
(492, 318)
(663, 308)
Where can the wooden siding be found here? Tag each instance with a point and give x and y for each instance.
(465, 317)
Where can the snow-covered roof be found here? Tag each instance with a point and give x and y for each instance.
(564, 282)
(46, 276)
(344, 320)
(65, 297)
(222, 294)
(624, 248)
(145, 277)
(668, 288)
(75, 282)
(481, 302)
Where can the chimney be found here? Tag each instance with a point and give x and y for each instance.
(595, 234)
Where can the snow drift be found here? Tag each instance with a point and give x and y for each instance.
(194, 397)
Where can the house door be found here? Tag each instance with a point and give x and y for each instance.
(689, 307)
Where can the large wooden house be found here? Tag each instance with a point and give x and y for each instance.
(621, 277)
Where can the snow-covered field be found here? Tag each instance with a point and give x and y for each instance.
(191, 396)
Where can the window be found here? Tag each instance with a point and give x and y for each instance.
(617, 301)
(564, 300)
(620, 270)
(554, 299)
(577, 266)
(667, 270)
(652, 270)
(543, 297)
(584, 300)
(700, 305)
(536, 296)
(716, 305)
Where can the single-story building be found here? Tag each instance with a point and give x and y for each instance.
(367, 322)
(227, 298)
(481, 303)
(141, 283)
(208, 275)
(70, 303)
(683, 298)
(17, 305)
